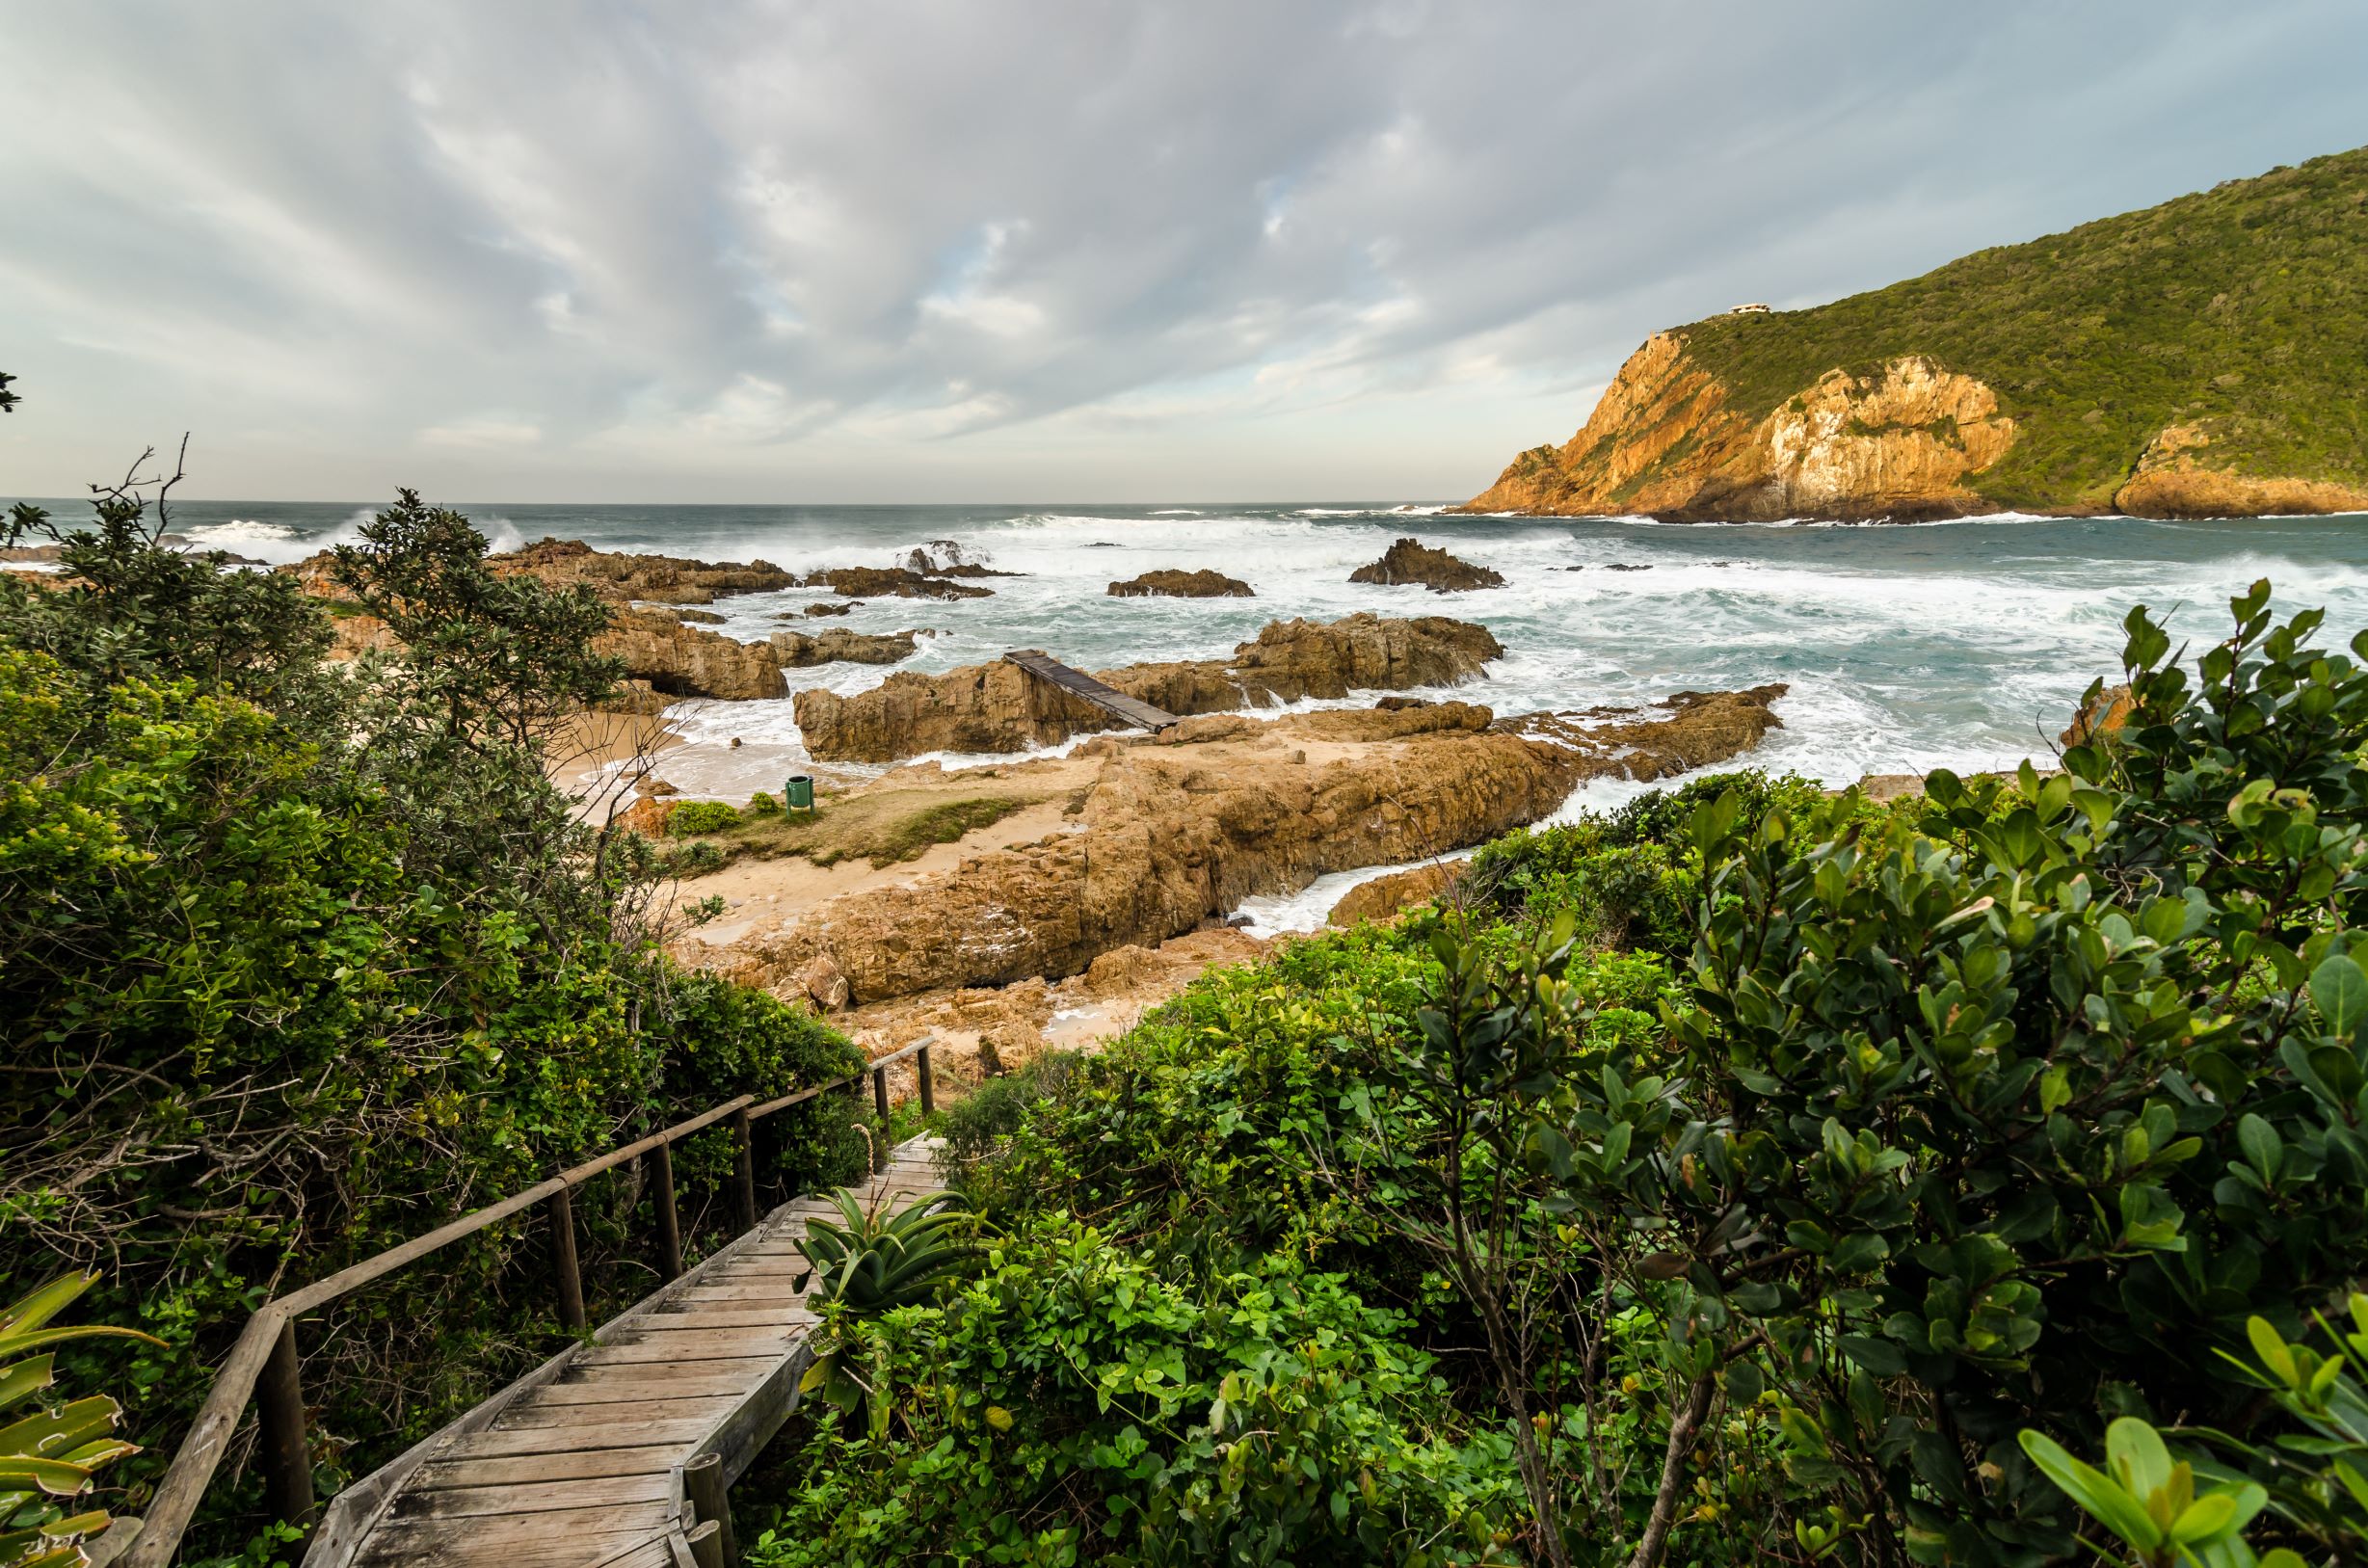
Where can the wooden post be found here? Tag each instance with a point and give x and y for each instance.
(879, 1102)
(926, 1076)
(669, 1217)
(744, 1185)
(286, 1456)
(703, 1482)
(562, 1209)
(707, 1544)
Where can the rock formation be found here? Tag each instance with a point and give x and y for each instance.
(1171, 583)
(689, 661)
(2174, 479)
(1663, 442)
(903, 582)
(1165, 834)
(1409, 561)
(1001, 707)
(1685, 730)
(2194, 359)
(945, 558)
(619, 578)
(1384, 896)
(799, 649)
(658, 649)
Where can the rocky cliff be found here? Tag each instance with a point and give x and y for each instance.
(1666, 440)
(2199, 359)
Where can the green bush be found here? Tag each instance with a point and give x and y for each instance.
(761, 804)
(1075, 1401)
(293, 965)
(692, 817)
(2010, 1121)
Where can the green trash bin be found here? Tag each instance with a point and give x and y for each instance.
(798, 793)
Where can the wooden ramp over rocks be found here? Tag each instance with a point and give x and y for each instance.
(581, 1463)
(1078, 683)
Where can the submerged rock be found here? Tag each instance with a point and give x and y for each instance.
(1171, 583)
(1001, 707)
(1411, 562)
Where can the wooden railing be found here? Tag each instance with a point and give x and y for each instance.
(263, 1365)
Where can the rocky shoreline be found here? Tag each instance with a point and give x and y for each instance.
(1053, 898)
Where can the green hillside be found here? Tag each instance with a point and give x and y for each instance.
(2245, 306)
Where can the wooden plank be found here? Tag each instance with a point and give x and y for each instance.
(548, 1540)
(516, 1470)
(741, 1293)
(780, 1315)
(740, 1437)
(530, 1441)
(1078, 683)
(711, 1409)
(603, 1494)
(658, 1553)
(643, 1389)
(691, 1344)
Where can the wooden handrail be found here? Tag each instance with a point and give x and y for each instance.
(191, 1470)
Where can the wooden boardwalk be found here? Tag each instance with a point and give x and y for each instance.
(581, 1463)
(1078, 683)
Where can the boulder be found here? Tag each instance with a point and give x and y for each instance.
(1384, 896)
(800, 650)
(840, 608)
(1411, 562)
(2100, 721)
(1001, 707)
(945, 558)
(825, 983)
(1172, 583)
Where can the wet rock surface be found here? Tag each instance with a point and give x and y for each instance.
(900, 582)
(1171, 583)
(800, 650)
(1411, 562)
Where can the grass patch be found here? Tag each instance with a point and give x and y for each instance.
(886, 828)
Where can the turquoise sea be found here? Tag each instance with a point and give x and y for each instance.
(1906, 647)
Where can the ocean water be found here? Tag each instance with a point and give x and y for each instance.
(1905, 647)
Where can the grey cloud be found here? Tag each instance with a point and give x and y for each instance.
(786, 249)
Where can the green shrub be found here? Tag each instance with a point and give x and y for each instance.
(692, 817)
(1075, 1401)
(761, 804)
(2012, 1120)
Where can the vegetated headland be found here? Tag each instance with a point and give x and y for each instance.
(2197, 359)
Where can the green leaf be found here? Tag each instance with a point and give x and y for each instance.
(2099, 1494)
(2339, 990)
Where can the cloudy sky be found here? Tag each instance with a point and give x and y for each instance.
(741, 250)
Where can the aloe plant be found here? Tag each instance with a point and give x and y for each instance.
(51, 1448)
(871, 1264)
